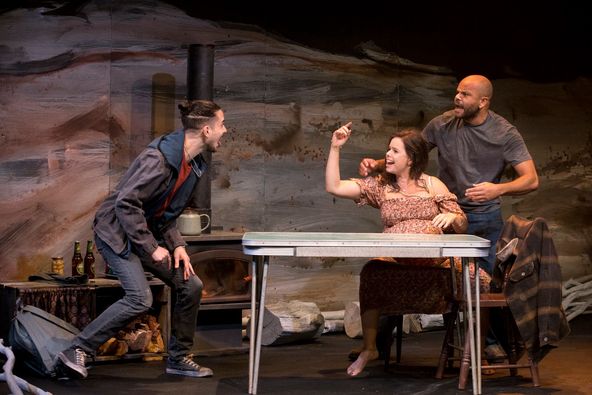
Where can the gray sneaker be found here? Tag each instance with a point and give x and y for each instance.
(73, 359)
(187, 367)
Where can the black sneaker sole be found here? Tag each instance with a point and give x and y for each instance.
(191, 373)
(78, 371)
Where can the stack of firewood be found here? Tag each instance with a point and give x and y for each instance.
(142, 335)
(577, 296)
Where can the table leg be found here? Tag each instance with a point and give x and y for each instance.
(478, 323)
(471, 322)
(260, 323)
(254, 291)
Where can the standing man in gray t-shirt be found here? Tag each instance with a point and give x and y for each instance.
(474, 146)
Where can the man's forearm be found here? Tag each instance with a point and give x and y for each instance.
(527, 180)
(519, 186)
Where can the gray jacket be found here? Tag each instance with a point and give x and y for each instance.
(128, 219)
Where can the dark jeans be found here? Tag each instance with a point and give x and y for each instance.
(489, 226)
(138, 299)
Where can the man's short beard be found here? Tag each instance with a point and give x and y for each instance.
(470, 113)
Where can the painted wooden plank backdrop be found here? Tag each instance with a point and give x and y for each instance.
(82, 95)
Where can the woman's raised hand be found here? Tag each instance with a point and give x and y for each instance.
(341, 135)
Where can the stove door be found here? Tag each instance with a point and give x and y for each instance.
(225, 274)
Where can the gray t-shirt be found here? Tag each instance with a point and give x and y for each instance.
(470, 154)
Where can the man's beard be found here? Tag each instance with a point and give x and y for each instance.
(470, 113)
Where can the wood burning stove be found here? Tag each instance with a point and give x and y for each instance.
(225, 275)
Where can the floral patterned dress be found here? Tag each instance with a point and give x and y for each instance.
(406, 285)
(407, 213)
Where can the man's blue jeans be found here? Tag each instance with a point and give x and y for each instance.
(138, 299)
(489, 226)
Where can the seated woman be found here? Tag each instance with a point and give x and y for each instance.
(409, 200)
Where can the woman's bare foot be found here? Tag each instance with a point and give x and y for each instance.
(358, 366)
(354, 354)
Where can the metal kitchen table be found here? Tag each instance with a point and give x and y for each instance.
(262, 245)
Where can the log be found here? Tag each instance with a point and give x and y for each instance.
(352, 320)
(411, 323)
(113, 347)
(333, 326)
(138, 340)
(290, 322)
(333, 315)
(333, 321)
(431, 321)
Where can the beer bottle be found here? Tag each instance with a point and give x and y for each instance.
(89, 260)
(77, 261)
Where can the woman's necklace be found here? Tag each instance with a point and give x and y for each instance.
(418, 186)
(403, 191)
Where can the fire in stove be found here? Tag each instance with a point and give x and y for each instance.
(225, 275)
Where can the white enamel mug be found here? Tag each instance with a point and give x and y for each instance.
(189, 223)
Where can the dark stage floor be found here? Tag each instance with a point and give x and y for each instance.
(319, 368)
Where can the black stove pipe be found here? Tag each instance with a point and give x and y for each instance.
(200, 72)
(200, 86)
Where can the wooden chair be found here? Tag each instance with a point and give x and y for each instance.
(394, 333)
(508, 330)
(488, 301)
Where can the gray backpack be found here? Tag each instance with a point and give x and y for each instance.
(37, 336)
